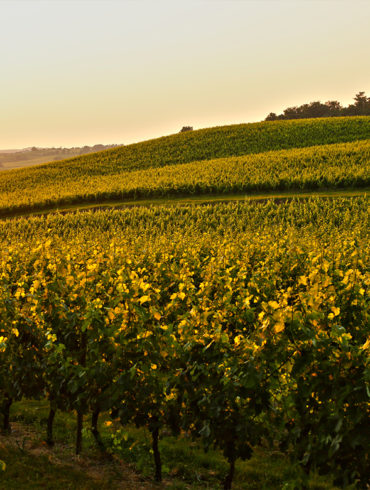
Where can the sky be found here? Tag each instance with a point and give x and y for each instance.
(83, 72)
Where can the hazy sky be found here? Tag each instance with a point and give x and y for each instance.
(76, 72)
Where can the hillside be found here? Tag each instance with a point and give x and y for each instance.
(343, 165)
(218, 142)
(217, 160)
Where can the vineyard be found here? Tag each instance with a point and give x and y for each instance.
(249, 158)
(344, 165)
(238, 325)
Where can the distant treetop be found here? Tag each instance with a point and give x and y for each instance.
(332, 108)
(186, 128)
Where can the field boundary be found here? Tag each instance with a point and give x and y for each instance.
(185, 200)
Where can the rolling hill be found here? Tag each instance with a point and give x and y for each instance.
(282, 155)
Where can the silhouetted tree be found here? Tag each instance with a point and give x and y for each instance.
(271, 117)
(362, 104)
(334, 107)
(331, 108)
(186, 128)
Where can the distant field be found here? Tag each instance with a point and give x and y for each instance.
(29, 162)
(12, 159)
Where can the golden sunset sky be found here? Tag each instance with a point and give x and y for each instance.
(81, 72)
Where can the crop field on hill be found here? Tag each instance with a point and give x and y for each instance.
(218, 142)
(262, 307)
(207, 144)
(344, 165)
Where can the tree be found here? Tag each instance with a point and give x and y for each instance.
(332, 108)
(271, 117)
(362, 104)
(186, 128)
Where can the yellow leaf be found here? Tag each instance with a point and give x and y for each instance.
(366, 344)
(302, 280)
(279, 327)
(143, 299)
(153, 366)
(274, 305)
(325, 265)
(335, 310)
(181, 295)
(237, 339)
(157, 316)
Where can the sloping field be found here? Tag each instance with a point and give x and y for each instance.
(206, 144)
(343, 165)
